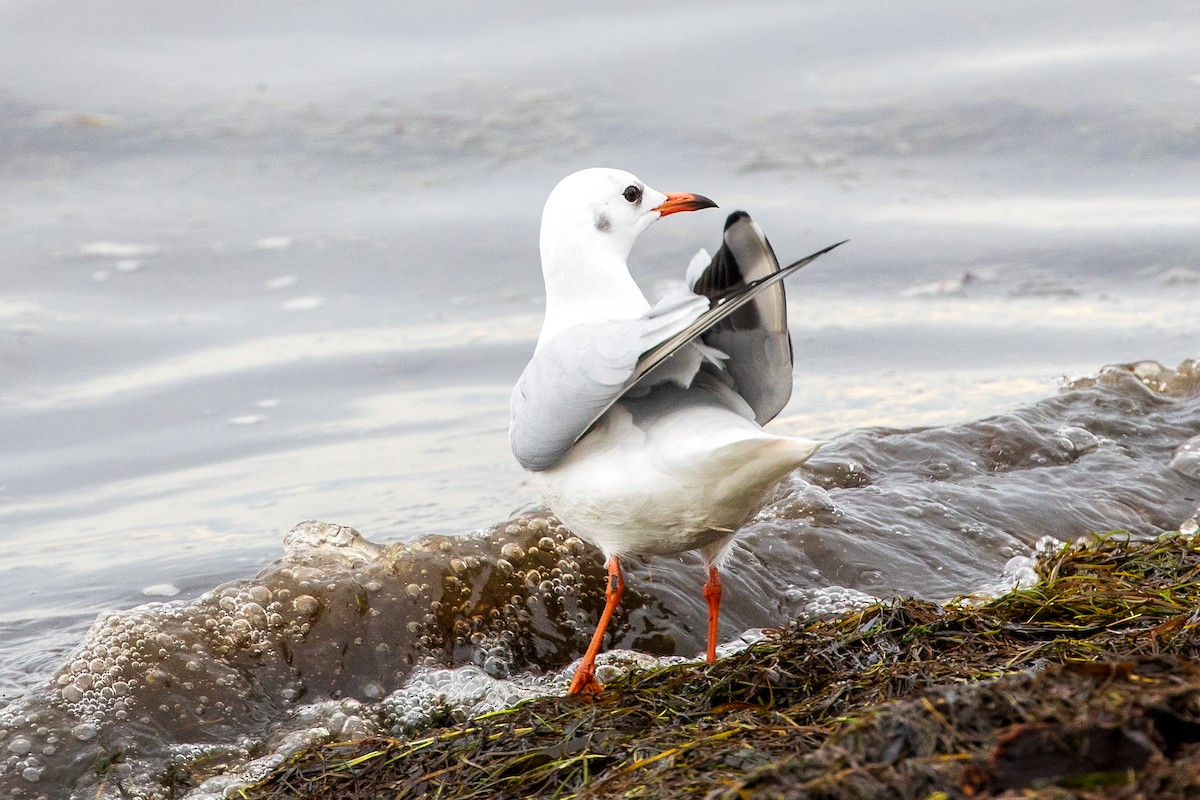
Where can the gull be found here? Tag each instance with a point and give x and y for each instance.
(640, 424)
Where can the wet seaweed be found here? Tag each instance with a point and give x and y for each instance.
(1083, 684)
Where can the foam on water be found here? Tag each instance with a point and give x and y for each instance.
(119, 250)
(337, 617)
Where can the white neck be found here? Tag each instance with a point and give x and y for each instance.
(586, 279)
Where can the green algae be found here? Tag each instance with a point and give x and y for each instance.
(1083, 685)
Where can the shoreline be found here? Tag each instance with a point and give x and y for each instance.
(1086, 680)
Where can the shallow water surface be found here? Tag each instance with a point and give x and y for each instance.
(398, 637)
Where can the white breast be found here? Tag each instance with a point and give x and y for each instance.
(674, 482)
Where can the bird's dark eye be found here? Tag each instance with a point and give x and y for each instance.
(633, 194)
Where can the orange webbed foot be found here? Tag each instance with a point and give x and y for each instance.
(585, 676)
(584, 682)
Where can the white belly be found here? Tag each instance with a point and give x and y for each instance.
(684, 480)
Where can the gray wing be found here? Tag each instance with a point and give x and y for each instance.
(755, 336)
(723, 304)
(576, 376)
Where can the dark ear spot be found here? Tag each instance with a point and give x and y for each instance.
(603, 223)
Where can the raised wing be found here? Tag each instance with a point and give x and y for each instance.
(722, 305)
(755, 336)
(576, 376)
(579, 374)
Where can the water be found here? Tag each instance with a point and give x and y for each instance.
(343, 637)
(277, 263)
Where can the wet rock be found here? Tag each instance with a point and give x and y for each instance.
(1037, 754)
(1075, 441)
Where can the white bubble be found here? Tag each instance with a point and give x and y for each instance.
(20, 745)
(1186, 460)
(84, 731)
(306, 605)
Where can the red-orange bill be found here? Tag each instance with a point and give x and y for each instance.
(684, 201)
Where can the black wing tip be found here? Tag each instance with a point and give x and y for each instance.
(735, 217)
(825, 250)
(795, 265)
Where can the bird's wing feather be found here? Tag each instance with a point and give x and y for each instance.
(579, 374)
(723, 304)
(575, 377)
(755, 336)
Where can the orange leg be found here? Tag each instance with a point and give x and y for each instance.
(585, 676)
(712, 593)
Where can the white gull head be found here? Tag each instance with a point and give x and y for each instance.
(589, 224)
